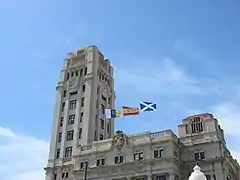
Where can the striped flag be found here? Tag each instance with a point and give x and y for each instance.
(128, 111)
(111, 113)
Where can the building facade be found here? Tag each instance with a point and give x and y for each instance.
(85, 89)
(88, 139)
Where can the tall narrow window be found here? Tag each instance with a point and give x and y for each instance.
(68, 76)
(70, 135)
(64, 93)
(108, 128)
(102, 109)
(83, 88)
(80, 133)
(102, 124)
(81, 117)
(63, 106)
(82, 102)
(61, 121)
(58, 154)
(73, 104)
(85, 71)
(59, 137)
(76, 73)
(72, 74)
(81, 72)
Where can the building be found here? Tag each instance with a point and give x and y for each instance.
(85, 89)
(149, 155)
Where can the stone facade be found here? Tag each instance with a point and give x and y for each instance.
(149, 155)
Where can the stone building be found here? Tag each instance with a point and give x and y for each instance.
(83, 137)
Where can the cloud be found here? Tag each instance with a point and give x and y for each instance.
(22, 157)
(229, 117)
(159, 78)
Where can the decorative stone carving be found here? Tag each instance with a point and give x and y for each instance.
(119, 139)
(73, 85)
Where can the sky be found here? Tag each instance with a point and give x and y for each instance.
(181, 55)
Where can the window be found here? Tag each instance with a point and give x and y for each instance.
(95, 136)
(98, 89)
(138, 156)
(76, 73)
(80, 133)
(59, 137)
(196, 125)
(101, 162)
(118, 159)
(85, 71)
(162, 177)
(81, 72)
(83, 88)
(73, 104)
(58, 154)
(68, 76)
(83, 164)
(71, 119)
(109, 100)
(104, 98)
(82, 102)
(64, 93)
(68, 152)
(72, 74)
(199, 156)
(108, 128)
(81, 116)
(61, 121)
(55, 176)
(101, 137)
(70, 135)
(63, 105)
(102, 109)
(64, 175)
(208, 177)
(158, 153)
(102, 123)
(73, 93)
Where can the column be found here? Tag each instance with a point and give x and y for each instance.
(171, 176)
(149, 177)
(53, 141)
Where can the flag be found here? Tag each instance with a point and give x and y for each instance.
(111, 113)
(147, 106)
(128, 111)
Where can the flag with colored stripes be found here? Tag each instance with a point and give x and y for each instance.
(128, 111)
(112, 113)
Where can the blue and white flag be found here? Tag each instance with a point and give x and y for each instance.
(147, 106)
(111, 113)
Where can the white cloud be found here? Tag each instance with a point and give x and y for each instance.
(229, 117)
(163, 78)
(22, 157)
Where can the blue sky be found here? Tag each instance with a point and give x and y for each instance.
(182, 55)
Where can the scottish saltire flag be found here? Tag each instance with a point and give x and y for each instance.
(148, 106)
(111, 113)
